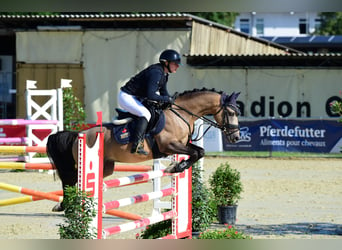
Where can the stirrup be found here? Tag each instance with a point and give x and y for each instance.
(139, 149)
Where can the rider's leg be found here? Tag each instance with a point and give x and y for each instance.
(139, 135)
(134, 106)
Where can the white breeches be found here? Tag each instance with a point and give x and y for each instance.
(131, 104)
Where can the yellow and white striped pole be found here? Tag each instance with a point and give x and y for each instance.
(39, 194)
(22, 149)
(19, 200)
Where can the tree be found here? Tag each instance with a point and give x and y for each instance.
(225, 18)
(331, 23)
(73, 111)
(79, 214)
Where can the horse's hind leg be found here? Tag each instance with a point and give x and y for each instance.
(108, 167)
(68, 179)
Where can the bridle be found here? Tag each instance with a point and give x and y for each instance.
(226, 125)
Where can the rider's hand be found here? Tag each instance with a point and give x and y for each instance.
(168, 103)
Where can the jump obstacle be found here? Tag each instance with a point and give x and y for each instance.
(21, 157)
(181, 225)
(180, 228)
(52, 114)
(48, 166)
(90, 179)
(57, 196)
(48, 116)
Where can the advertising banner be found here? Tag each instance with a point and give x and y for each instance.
(9, 131)
(317, 136)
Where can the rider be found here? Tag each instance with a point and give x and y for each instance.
(150, 83)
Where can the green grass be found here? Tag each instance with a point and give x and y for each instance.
(264, 154)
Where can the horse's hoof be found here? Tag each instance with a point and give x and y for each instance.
(58, 208)
(171, 169)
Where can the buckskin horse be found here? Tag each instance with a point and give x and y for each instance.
(176, 126)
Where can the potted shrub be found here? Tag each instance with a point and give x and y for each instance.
(226, 187)
(336, 109)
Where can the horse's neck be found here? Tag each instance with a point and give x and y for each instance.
(201, 105)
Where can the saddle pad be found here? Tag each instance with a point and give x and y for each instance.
(122, 133)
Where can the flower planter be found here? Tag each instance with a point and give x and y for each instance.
(227, 214)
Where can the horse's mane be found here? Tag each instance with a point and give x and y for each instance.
(186, 92)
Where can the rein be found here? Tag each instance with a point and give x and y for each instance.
(208, 121)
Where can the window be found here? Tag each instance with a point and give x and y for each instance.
(260, 26)
(303, 26)
(244, 25)
(318, 22)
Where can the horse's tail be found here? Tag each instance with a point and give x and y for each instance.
(59, 150)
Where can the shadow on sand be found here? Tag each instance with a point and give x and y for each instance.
(285, 229)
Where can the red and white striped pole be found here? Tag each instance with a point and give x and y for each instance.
(90, 175)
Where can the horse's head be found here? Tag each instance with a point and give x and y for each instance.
(227, 117)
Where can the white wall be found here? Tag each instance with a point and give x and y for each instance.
(282, 89)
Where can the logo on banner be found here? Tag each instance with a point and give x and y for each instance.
(245, 135)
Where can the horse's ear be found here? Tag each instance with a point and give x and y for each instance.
(232, 98)
(236, 95)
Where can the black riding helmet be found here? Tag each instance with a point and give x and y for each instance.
(170, 55)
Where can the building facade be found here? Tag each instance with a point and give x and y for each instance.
(101, 52)
(278, 24)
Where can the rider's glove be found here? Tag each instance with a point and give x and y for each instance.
(167, 103)
(170, 101)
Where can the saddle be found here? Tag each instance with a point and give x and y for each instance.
(124, 127)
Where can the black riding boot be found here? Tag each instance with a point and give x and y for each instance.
(138, 137)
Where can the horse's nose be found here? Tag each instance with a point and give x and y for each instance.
(236, 138)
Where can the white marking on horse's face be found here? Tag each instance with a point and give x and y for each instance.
(232, 134)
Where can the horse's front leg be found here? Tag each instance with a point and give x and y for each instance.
(195, 153)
